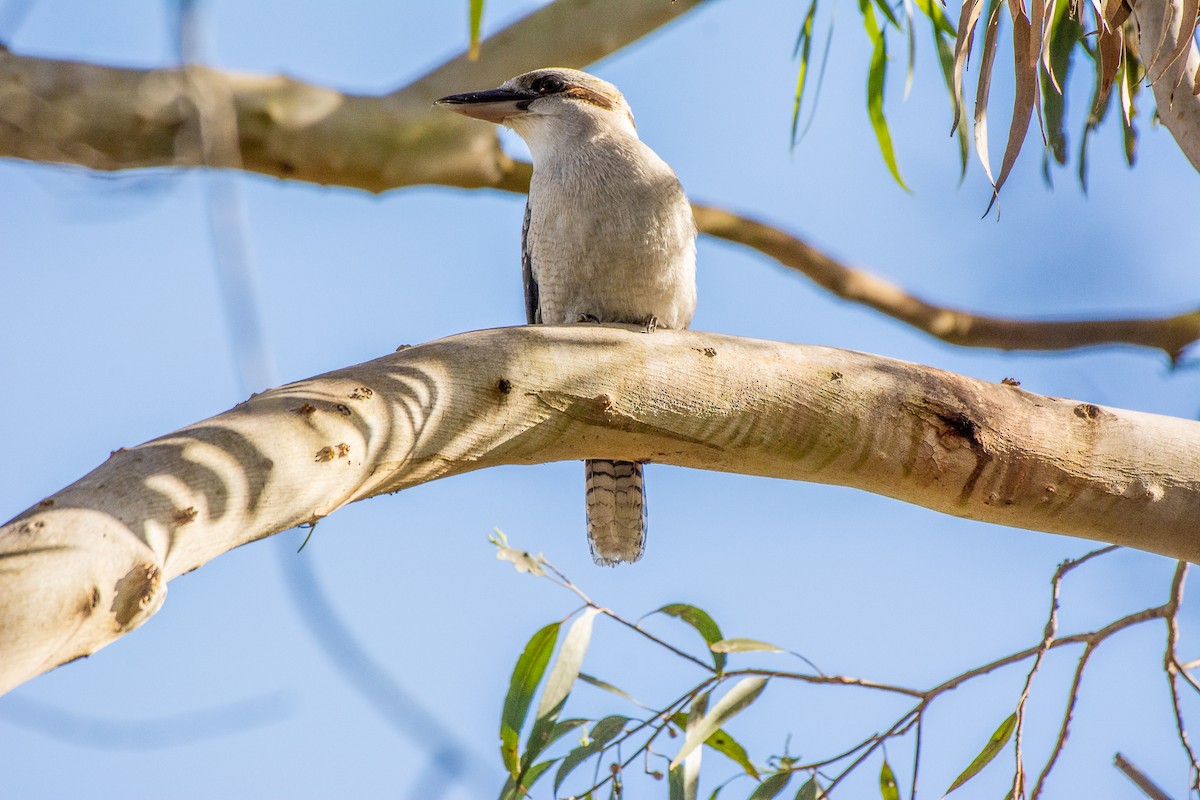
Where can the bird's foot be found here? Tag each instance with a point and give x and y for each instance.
(650, 325)
(588, 318)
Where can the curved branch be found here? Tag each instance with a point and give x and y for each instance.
(91, 562)
(1172, 335)
(113, 119)
(108, 118)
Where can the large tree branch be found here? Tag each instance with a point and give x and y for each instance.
(1175, 79)
(108, 118)
(113, 119)
(91, 562)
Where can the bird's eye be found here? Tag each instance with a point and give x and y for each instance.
(548, 84)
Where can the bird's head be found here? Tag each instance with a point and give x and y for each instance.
(545, 103)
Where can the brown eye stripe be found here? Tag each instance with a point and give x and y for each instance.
(588, 96)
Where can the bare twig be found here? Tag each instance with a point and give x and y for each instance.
(1065, 728)
(1051, 630)
(912, 795)
(901, 727)
(1172, 334)
(1139, 778)
(1171, 667)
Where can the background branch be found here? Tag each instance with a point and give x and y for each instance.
(107, 118)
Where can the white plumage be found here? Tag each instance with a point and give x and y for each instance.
(608, 237)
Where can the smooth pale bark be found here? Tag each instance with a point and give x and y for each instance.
(91, 562)
(108, 118)
(1176, 83)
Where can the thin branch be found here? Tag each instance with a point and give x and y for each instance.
(1171, 667)
(704, 665)
(831, 680)
(1171, 334)
(898, 729)
(115, 119)
(1050, 631)
(912, 795)
(1064, 729)
(1139, 778)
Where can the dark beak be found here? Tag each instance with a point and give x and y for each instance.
(493, 105)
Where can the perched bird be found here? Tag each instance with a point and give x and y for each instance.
(608, 237)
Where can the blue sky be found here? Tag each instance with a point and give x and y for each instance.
(113, 333)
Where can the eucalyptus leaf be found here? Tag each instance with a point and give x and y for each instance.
(527, 674)
(476, 22)
(699, 619)
(887, 783)
(723, 743)
(743, 693)
(876, 78)
(561, 679)
(606, 686)
(744, 646)
(771, 786)
(602, 733)
(990, 750)
(811, 790)
(804, 49)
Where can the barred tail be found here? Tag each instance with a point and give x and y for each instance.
(616, 511)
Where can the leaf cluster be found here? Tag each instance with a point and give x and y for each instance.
(1048, 37)
(552, 660)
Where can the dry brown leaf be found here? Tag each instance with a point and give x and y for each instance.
(967, 19)
(1025, 59)
(1111, 44)
(1189, 9)
(983, 88)
(1047, 20)
(1117, 12)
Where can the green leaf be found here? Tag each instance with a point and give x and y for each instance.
(875, 82)
(608, 687)
(701, 621)
(1064, 33)
(945, 53)
(684, 783)
(744, 646)
(559, 683)
(602, 733)
(675, 787)
(1131, 77)
(910, 33)
(887, 783)
(743, 693)
(811, 790)
(989, 751)
(559, 730)
(525, 679)
(887, 12)
(771, 786)
(723, 743)
(476, 15)
(804, 48)
(535, 772)
(933, 10)
(518, 791)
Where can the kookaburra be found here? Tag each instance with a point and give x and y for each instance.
(608, 237)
